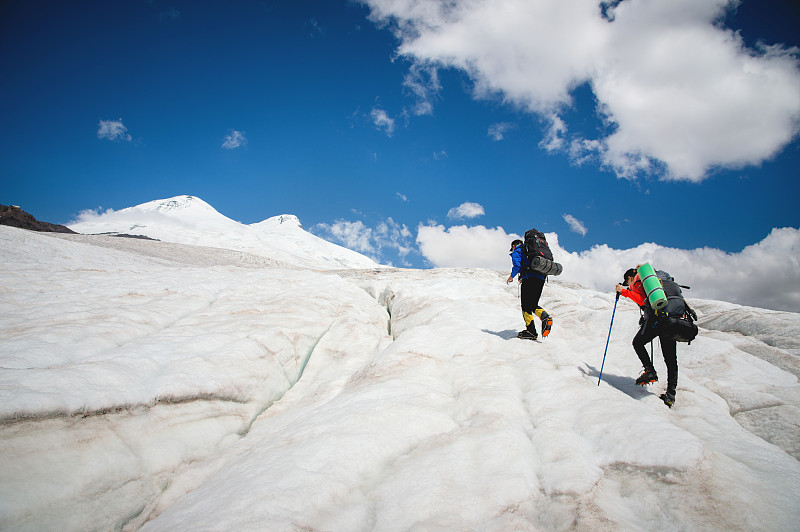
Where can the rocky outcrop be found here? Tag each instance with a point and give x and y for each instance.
(16, 217)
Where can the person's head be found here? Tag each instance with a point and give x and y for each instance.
(515, 243)
(629, 276)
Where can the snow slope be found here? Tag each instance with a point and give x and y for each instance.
(190, 220)
(162, 386)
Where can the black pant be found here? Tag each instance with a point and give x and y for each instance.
(649, 330)
(530, 292)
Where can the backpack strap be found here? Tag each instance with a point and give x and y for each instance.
(690, 311)
(525, 265)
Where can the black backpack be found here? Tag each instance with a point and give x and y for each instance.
(538, 254)
(678, 314)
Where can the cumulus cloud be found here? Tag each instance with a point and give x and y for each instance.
(113, 130)
(575, 225)
(90, 215)
(352, 235)
(465, 210)
(382, 121)
(370, 241)
(680, 95)
(234, 139)
(463, 246)
(765, 274)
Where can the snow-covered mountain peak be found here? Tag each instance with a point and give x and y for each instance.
(284, 221)
(177, 205)
(190, 220)
(181, 207)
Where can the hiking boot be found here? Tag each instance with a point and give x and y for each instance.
(668, 398)
(647, 376)
(547, 324)
(527, 335)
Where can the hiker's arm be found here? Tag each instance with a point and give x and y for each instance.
(631, 294)
(516, 263)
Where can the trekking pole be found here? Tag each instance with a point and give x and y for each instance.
(607, 340)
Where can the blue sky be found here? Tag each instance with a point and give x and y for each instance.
(385, 124)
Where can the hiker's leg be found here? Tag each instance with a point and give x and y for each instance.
(669, 349)
(530, 292)
(640, 341)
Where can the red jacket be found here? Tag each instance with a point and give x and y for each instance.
(635, 292)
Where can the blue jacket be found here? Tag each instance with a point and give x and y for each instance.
(518, 259)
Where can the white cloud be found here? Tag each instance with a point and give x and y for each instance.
(497, 131)
(383, 121)
(392, 235)
(352, 235)
(113, 130)
(90, 215)
(372, 242)
(680, 95)
(765, 274)
(402, 197)
(462, 246)
(234, 139)
(423, 82)
(575, 225)
(465, 210)
(555, 133)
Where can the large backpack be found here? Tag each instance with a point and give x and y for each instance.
(538, 254)
(677, 313)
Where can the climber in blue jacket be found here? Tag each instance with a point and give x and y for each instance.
(531, 285)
